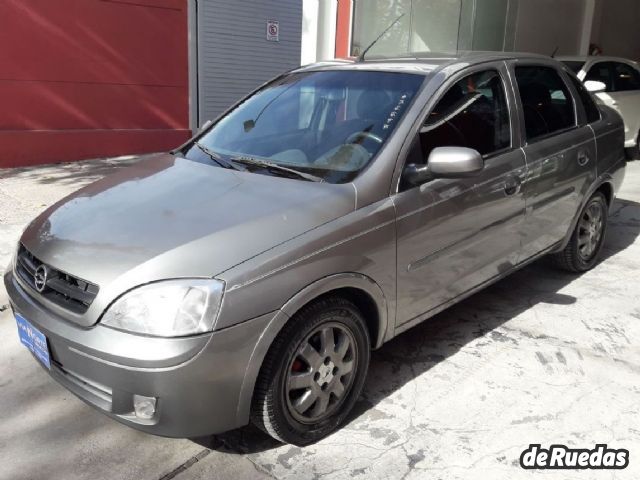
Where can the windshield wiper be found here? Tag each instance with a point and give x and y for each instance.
(216, 157)
(275, 168)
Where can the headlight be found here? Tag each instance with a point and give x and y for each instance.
(173, 308)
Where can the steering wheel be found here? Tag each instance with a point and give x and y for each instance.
(355, 138)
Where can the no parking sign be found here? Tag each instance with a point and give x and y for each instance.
(273, 31)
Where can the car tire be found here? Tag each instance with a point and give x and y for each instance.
(297, 398)
(585, 246)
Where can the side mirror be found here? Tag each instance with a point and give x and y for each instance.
(455, 162)
(445, 162)
(416, 174)
(595, 87)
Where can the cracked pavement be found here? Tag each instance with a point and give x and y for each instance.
(541, 357)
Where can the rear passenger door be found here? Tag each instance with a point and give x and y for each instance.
(560, 152)
(608, 137)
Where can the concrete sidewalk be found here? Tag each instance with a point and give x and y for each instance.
(541, 357)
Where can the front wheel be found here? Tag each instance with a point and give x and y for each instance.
(313, 373)
(583, 250)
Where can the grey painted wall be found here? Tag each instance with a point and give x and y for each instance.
(543, 25)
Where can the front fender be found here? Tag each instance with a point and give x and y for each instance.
(304, 296)
(343, 280)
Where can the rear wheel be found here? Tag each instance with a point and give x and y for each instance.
(583, 250)
(313, 373)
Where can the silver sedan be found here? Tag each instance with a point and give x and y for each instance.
(247, 275)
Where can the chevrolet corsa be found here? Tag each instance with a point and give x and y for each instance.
(247, 275)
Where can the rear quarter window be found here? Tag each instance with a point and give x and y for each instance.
(591, 109)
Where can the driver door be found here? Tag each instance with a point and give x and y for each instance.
(455, 234)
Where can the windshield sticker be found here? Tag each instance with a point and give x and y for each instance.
(395, 112)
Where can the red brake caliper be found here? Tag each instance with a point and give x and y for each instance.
(297, 366)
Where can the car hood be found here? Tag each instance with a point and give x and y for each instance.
(169, 217)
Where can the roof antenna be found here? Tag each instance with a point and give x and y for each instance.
(361, 57)
(553, 55)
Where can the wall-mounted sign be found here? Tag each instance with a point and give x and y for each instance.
(273, 31)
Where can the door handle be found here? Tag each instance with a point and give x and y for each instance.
(512, 185)
(583, 158)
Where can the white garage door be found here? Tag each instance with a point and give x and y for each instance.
(234, 55)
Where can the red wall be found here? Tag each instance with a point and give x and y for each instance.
(343, 27)
(90, 78)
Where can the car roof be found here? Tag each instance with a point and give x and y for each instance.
(588, 58)
(420, 62)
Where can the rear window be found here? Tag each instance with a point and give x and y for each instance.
(574, 66)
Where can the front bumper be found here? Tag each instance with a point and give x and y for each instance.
(197, 380)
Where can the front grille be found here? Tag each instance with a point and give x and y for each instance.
(63, 289)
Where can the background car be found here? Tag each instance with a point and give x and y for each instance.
(619, 89)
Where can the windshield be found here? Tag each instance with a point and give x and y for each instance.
(329, 124)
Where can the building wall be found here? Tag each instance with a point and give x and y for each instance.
(88, 78)
(309, 40)
(544, 25)
(616, 26)
(326, 30)
(489, 24)
(538, 26)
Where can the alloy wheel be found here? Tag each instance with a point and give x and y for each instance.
(321, 373)
(591, 229)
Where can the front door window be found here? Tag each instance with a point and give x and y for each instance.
(472, 114)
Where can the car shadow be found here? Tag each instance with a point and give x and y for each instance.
(440, 337)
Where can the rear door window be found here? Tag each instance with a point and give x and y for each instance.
(546, 101)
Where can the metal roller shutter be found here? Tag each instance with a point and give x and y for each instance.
(234, 55)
